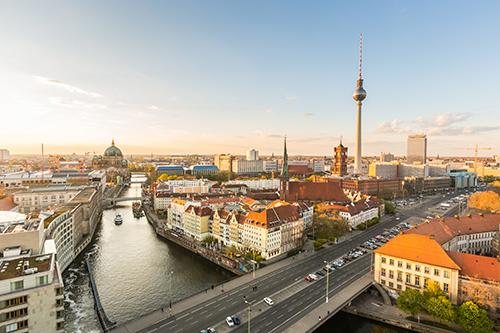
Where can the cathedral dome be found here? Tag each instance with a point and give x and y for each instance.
(113, 150)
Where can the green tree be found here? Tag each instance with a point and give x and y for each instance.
(441, 308)
(473, 319)
(209, 239)
(389, 207)
(411, 301)
(432, 290)
(232, 249)
(163, 177)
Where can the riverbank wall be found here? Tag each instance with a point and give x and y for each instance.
(213, 256)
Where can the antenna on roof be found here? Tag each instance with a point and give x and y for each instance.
(360, 52)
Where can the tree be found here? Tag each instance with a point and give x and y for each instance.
(231, 249)
(209, 239)
(411, 301)
(488, 201)
(327, 222)
(441, 308)
(389, 207)
(475, 290)
(163, 177)
(432, 290)
(473, 319)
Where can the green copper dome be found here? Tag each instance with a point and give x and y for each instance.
(113, 150)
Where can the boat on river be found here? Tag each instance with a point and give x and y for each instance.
(137, 209)
(118, 219)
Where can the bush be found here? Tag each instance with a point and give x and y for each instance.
(322, 241)
(293, 252)
(317, 244)
(259, 258)
(332, 238)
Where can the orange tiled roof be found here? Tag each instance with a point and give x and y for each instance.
(445, 229)
(248, 201)
(6, 204)
(200, 211)
(276, 203)
(417, 248)
(477, 266)
(272, 217)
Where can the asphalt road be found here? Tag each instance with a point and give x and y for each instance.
(291, 293)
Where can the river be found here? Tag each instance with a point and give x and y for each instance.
(131, 266)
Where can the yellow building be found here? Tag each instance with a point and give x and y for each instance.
(196, 222)
(410, 261)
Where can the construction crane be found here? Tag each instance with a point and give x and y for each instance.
(475, 156)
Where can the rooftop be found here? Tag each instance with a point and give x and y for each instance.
(16, 267)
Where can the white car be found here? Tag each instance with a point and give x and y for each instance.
(268, 301)
(314, 277)
(230, 321)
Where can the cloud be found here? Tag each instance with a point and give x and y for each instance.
(306, 114)
(153, 107)
(65, 86)
(271, 112)
(387, 127)
(74, 103)
(442, 120)
(463, 130)
(291, 97)
(262, 134)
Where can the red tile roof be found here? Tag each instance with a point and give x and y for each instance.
(6, 204)
(477, 266)
(418, 248)
(273, 217)
(445, 229)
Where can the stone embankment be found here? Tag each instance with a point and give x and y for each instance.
(215, 257)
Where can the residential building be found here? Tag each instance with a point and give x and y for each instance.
(248, 166)
(31, 293)
(176, 213)
(416, 149)
(27, 234)
(360, 211)
(252, 155)
(38, 198)
(7, 204)
(224, 162)
(384, 170)
(258, 184)
(386, 157)
(59, 238)
(196, 222)
(4, 154)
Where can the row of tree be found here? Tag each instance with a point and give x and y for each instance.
(470, 316)
(487, 201)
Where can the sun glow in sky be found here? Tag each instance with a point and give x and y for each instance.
(185, 77)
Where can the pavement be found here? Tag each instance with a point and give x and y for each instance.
(158, 315)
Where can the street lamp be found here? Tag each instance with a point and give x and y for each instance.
(327, 276)
(249, 313)
(170, 306)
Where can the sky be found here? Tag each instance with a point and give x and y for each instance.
(209, 77)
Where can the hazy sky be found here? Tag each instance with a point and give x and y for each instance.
(172, 77)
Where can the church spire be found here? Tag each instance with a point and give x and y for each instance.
(113, 142)
(284, 168)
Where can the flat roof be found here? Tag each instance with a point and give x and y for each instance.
(12, 268)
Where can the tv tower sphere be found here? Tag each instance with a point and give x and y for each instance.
(359, 94)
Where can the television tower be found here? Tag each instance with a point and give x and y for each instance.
(359, 95)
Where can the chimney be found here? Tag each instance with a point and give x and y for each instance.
(431, 236)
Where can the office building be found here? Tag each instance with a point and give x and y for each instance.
(386, 157)
(252, 155)
(4, 154)
(417, 149)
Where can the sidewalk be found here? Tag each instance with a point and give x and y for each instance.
(153, 317)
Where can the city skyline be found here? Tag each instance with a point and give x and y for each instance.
(193, 77)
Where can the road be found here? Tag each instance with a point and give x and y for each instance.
(291, 293)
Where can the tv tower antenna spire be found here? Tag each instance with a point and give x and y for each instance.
(359, 95)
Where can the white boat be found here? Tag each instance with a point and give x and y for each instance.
(118, 219)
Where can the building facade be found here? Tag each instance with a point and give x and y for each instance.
(416, 149)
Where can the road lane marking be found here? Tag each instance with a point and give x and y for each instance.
(222, 298)
(196, 310)
(183, 316)
(154, 329)
(210, 304)
(203, 312)
(165, 324)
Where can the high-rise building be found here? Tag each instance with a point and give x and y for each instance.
(4, 154)
(359, 95)
(417, 149)
(386, 157)
(252, 155)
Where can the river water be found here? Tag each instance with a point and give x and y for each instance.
(131, 267)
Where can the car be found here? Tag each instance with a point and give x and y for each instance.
(314, 277)
(268, 301)
(236, 320)
(320, 273)
(203, 331)
(397, 218)
(230, 321)
(211, 330)
(308, 278)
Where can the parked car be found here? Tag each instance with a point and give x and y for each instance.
(230, 321)
(268, 301)
(308, 278)
(211, 330)
(314, 277)
(236, 320)
(320, 273)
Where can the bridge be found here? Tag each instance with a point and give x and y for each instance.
(297, 302)
(119, 199)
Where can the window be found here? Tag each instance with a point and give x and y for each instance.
(59, 314)
(400, 263)
(41, 280)
(15, 286)
(59, 291)
(425, 282)
(445, 287)
(11, 327)
(446, 274)
(391, 274)
(436, 272)
(400, 276)
(383, 260)
(408, 278)
(59, 302)
(382, 272)
(60, 325)
(391, 284)
(391, 262)
(417, 280)
(16, 313)
(382, 282)
(417, 268)
(408, 266)
(426, 270)
(13, 302)
(399, 286)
